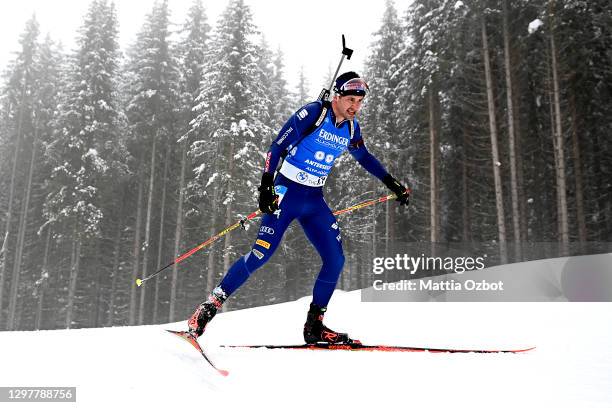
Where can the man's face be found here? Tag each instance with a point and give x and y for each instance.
(348, 106)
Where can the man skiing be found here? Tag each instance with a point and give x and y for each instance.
(309, 142)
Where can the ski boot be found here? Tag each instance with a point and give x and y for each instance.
(205, 312)
(316, 332)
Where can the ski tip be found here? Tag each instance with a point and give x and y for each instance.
(181, 333)
(138, 282)
(523, 350)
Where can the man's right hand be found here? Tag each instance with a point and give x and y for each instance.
(267, 196)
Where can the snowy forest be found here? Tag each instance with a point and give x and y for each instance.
(497, 113)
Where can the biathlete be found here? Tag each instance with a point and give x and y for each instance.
(310, 142)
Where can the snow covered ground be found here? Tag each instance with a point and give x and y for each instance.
(147, 367)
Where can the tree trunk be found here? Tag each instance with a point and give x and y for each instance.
(136, 251)
(2, 263)
(178, 232)
(516, 216)
(97, 293)
(116, 258)
(228, 211)
(44, 278)
(499, 199)
(210, 275)
(551, 114)
(228, 208)
(388, 211)
(211, 261)
(160, 242)
(559, 143)
(434, 149)
(74, 273)
(373, 220)
(390, 237)
(9, 211)
(147, 242)
(467, 236)
(520, 173)
(23, 224)
(580, 213)
(601, 204)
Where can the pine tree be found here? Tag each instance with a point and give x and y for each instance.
(381, 110)
(493, 129)
(151, 111)
(583, 31)
(47, 87)
(424, 71)
(281, 102)
(302, 94)
(193, 49)
(20, 108)
(513, 134)
(87, 153)
(233, 120)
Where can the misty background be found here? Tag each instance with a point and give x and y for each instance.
(116, 160)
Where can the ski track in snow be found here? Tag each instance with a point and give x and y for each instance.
(145, 366)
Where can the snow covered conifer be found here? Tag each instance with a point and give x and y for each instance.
(232, 120)
(87, 151)
(192, 54)
(152, 110)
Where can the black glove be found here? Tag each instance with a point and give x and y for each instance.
(267, 197)
(402, 193)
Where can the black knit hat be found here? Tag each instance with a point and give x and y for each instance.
(350, 83)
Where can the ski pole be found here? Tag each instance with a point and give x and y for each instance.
(346, 52)
(365, 204)
(241, 222)
(209, 241)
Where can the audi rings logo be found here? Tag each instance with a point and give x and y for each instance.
(266, 230)
(302, 176)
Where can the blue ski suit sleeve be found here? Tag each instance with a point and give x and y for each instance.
(291, 132)
(359, 151)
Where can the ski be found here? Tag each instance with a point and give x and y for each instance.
(365, 347)
(194, 342)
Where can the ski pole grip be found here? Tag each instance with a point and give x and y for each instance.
(346, 51)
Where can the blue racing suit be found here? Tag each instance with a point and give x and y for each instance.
(299, 184)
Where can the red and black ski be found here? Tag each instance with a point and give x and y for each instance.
(194, 342)
(365, 347)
